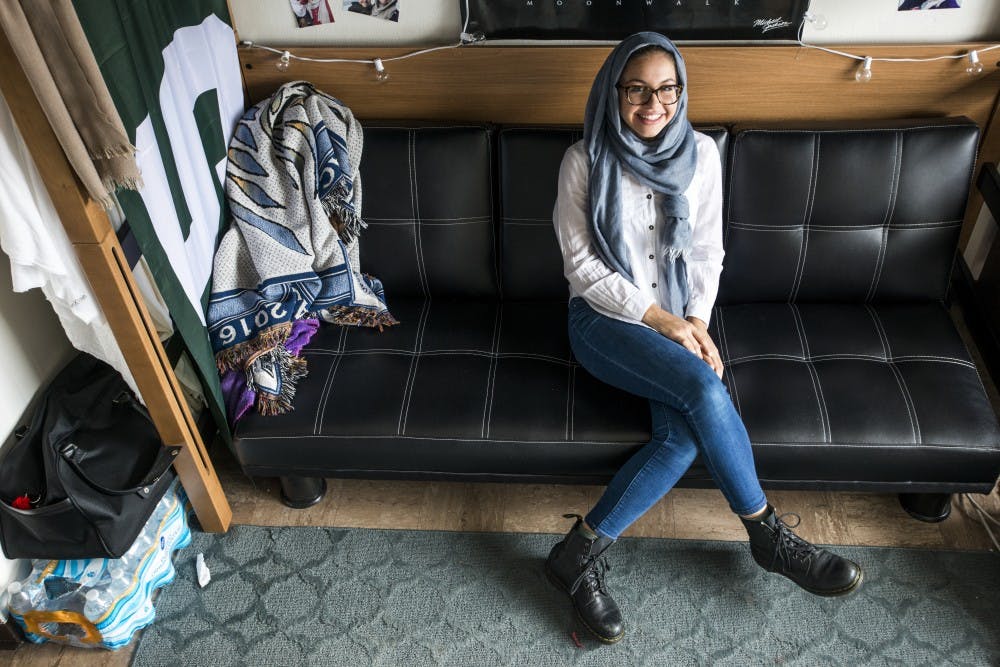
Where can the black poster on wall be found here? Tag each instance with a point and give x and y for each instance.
(616, 19)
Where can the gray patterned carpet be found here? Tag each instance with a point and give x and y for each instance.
(314, 596)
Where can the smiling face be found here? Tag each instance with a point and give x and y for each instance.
(652, 69)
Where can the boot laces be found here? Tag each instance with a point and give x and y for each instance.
(788, 546)
(594, 570)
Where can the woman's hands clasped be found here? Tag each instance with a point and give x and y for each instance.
(691, 333)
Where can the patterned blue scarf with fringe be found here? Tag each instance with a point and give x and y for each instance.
(290, 252)
(666, 164)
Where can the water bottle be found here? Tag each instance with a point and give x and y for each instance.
(21, 600)
(97, 603)
(103, 602)
(118, 582)
(140, 549)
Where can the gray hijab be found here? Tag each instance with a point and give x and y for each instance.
(665, 163)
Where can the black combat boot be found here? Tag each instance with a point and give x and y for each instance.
(777, 549)
(575, 566)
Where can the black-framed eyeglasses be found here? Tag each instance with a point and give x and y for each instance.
(639, 95)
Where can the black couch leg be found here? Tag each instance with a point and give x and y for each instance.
(302, 492)
(929, 507)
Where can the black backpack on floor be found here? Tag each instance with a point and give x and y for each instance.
(91, 464)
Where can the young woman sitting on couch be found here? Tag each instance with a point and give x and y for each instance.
(639, 222)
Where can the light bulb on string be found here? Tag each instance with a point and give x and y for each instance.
(864, 73)
(818, 20)
(284, 61)
(380, 74)
(975, 66)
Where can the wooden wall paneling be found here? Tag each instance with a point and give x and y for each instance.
(137, 338)
(730, 84)
(103, 261)
(989, 151)
(236, 35)
(550, 84)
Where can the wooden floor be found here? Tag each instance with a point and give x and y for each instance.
(697, 514)
(827, 518)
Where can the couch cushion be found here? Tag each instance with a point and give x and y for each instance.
(875, 396)
(531, 263)
(857, 394)
(844, 214)
(879, 397)
(428, 204)
(458, 388)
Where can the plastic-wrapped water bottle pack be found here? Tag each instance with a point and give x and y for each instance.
(101, 602)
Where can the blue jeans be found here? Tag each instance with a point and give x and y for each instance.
(691, 414)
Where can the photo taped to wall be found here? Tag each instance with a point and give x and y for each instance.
(908, 5)
(382, 9)
(311, 12)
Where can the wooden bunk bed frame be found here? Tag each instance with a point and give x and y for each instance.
(525, 85)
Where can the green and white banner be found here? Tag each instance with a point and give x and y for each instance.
(174, 76)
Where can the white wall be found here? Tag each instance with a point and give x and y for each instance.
(272, 22)
(424, 22)
(878, 22)
(32, 348)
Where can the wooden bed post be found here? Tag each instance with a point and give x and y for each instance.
(103, 261)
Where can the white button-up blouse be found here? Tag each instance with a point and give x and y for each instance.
(606, 290)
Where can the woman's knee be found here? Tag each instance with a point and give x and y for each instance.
(672, 431)
(707, 395)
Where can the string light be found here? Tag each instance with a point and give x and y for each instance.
(381, 75)
(818, 21)
(975, 67)
(864, 73)
(284, 61)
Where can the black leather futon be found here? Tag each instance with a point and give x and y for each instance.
(840, 353)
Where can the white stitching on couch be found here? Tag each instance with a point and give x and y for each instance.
(849, 357)
(889, 213)
(425, 223)
(732, 371)
(824, 415)
(806, 217)
(411, 376)
(907, 399)
(328, 384)
(915, 226)
(404, 409)
(487, 397)
(410, 220)
(571, 402)
(432, 353)
(859, 445)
